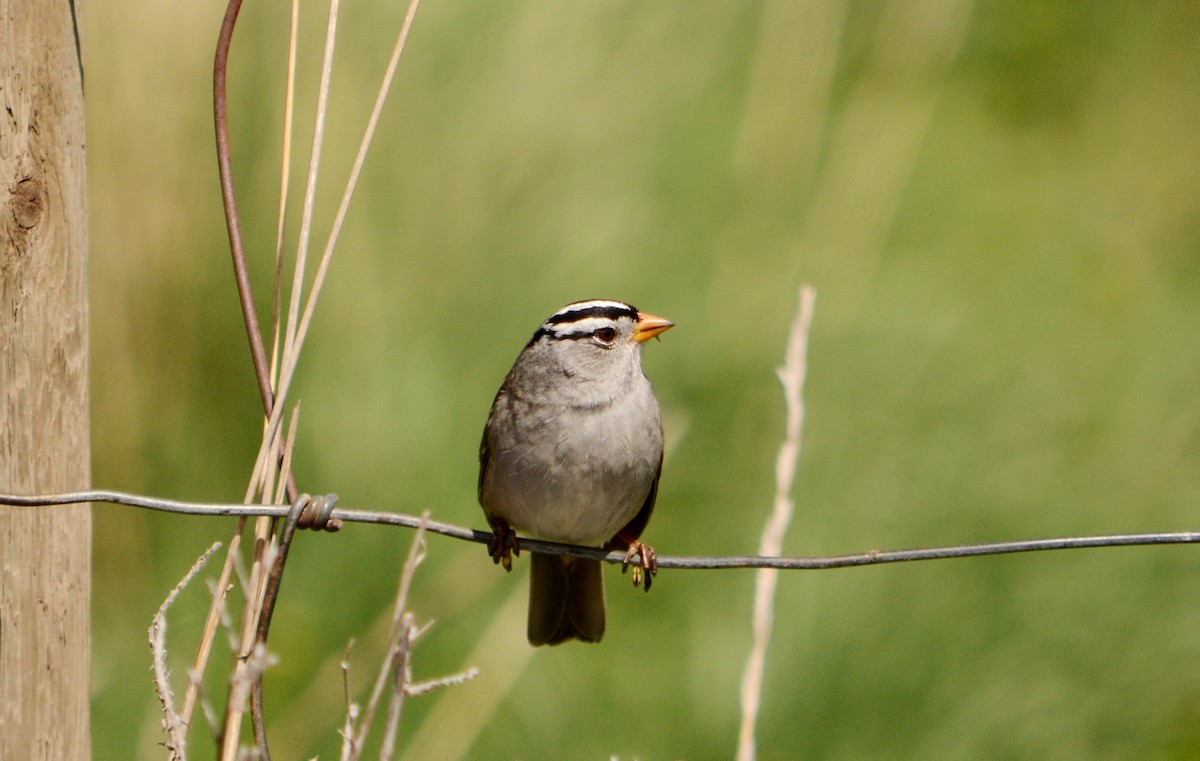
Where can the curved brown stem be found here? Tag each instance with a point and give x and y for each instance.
(258, 353)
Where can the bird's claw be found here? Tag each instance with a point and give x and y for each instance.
(646, 568)
(503, 544)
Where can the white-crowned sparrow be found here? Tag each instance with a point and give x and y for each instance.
(572, 452)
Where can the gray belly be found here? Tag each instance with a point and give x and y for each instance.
(579, 488)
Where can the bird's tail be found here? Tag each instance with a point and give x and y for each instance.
(566, 599)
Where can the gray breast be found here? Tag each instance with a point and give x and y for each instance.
(575, 474)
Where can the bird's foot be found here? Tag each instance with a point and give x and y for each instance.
(647, 567)
(503, 544)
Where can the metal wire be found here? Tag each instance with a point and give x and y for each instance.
(872, 557)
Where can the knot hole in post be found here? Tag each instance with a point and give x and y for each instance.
(28, 203)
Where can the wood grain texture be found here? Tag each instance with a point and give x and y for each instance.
(45, 553)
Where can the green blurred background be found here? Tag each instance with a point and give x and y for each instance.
(997, 203)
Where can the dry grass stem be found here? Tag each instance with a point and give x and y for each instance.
(291, 343)
(270, 478)
(221, 589)
(359, 160)
(310, 185)
(791, 375)
(289, 449)
(285, 163)
(295, 332)
(255, 660)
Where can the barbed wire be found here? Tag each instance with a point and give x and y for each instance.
(376, 517)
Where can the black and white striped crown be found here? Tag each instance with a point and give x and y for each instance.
(584, 318)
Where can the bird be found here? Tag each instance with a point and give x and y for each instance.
(572, 452)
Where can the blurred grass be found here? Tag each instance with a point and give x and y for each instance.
(996, 202)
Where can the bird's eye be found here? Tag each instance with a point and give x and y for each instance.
(606, 336)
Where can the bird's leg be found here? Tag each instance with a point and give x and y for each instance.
(647, 568)
(503, 544)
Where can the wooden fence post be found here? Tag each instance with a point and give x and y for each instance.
(45, 553)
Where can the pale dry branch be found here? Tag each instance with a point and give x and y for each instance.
(349, 726)
(174, 726)
(429, 685)
(792, 376)
(398, 640)
(249, 669)
(394, 670)
(249, 672)
(401, 678)
(452, 727)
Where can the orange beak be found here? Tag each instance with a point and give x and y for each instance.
(648, 326)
